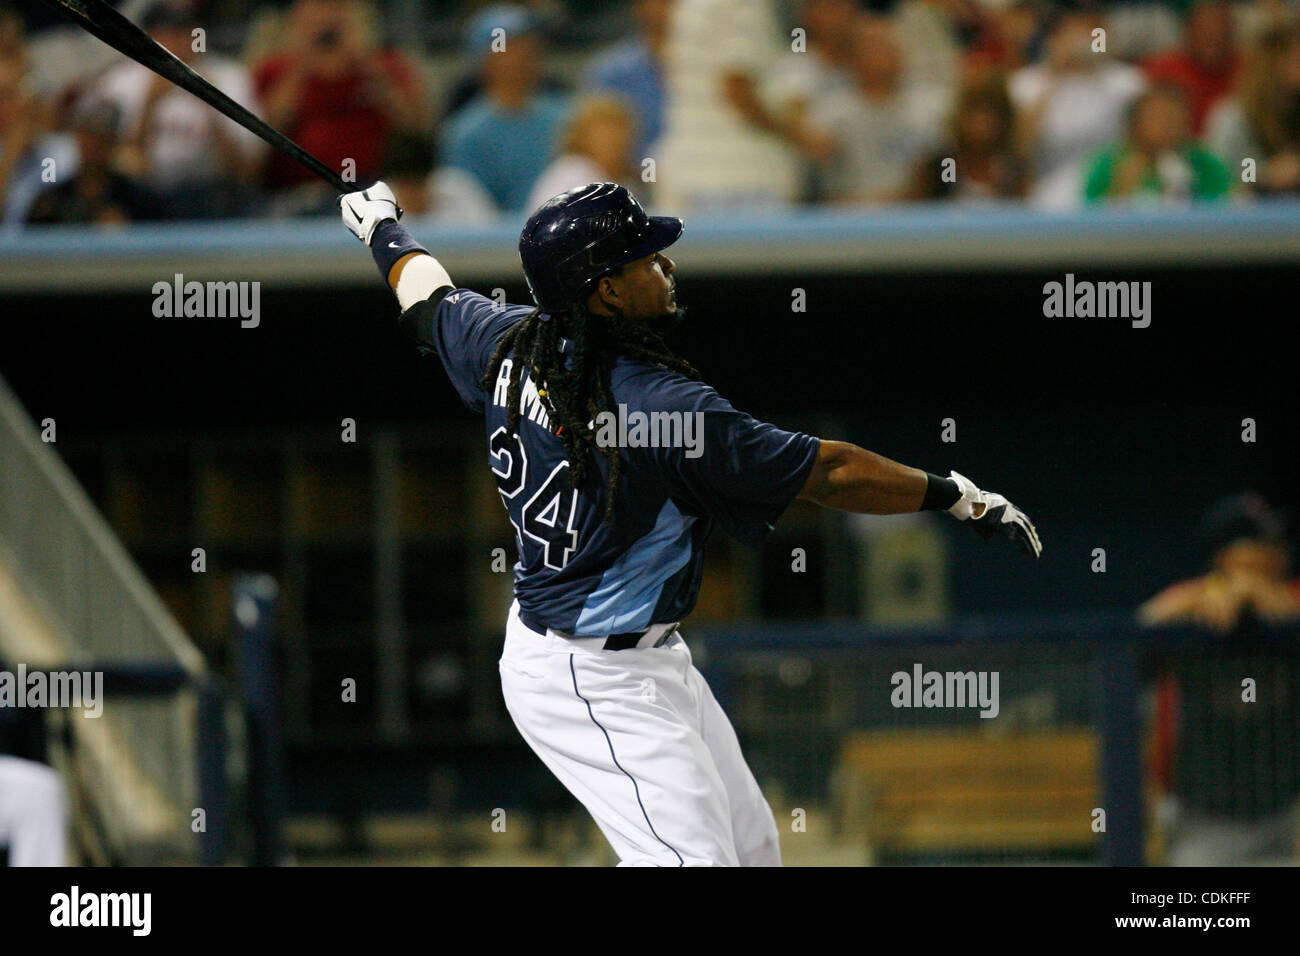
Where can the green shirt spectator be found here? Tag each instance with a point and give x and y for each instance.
(1192, 172)
(1158, 159)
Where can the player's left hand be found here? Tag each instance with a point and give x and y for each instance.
(990, 513)
(364, 210)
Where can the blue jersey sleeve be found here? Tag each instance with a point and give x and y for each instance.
(742, 472)
(464, 328)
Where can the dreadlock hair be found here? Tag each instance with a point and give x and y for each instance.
(576, 394)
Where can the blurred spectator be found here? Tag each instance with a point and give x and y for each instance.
(826, 65)
(822, 70)
(1138, 31)
(984, 162)
(33, 814)
(540, 15)
(30, 157)
(12, 36)
(1262, 120)
(189, 155)
(928, 34)
(331, 89)
(1205, 733)
(97, 193)
(594, 149)
(18, 115)
(1159, 161)
(505, 135)
(1070, 105)
(730, 130)
(33, 801)
(633, 69)
(1009, 37)
(1204, 68)
(423, 189)
(1247, 576)
(882, 125)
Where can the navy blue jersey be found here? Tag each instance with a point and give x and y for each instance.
(690, 460)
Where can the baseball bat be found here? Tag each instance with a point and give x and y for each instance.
(99, 19)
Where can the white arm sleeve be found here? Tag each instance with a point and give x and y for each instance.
(421, 277)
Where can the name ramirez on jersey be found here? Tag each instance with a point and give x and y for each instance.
(621, 429)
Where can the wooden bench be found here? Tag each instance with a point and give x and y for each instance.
(960, 792)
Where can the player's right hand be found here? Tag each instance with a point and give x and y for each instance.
(365, 210)
(989, 513)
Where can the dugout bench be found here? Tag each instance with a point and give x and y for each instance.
(939, 792)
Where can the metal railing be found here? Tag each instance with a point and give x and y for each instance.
(136, 768)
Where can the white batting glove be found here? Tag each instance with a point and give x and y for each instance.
(990, 513)
(365, 210)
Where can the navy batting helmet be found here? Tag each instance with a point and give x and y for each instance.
(579, 236)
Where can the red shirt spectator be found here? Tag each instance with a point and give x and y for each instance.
(330, 88)
(1206, 66)
(1202, 86)
(336, 118)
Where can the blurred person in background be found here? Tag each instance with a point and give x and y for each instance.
(1012, 30)
(1159, 161)
(594, 148)
(1070, 105)
(1205, 66)
(733, 130)
(33, 814)
(13, 38)
(1226, 769)
(931, 34)
(504, 136)
(19, 114)
(33, 803)
(330, 88)
(633, 69)
(1247, 575)
(542, 16)
(881, 126)
(98, 193)
(821, 71)
(197, 162)
(1261, 120)
(984, 162)
(423, 188)
(26, 142)
(826, 66)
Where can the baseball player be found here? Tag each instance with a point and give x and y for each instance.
(610, 525)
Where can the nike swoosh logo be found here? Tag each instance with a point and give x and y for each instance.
(392, 245)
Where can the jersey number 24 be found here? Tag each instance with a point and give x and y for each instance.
(546, 519)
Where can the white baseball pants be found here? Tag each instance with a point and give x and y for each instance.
(638, 738)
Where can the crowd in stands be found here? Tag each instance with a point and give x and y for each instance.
(702, 105)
